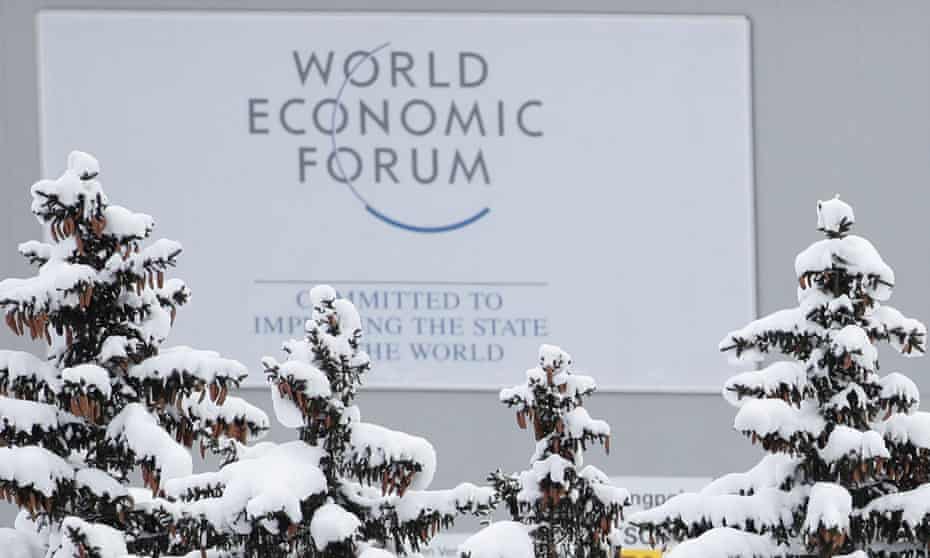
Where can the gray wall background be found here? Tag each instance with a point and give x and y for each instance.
(841, 93)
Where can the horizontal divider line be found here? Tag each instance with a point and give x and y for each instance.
(415, 388)
(398, 282)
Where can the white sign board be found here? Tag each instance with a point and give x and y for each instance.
(477, 184)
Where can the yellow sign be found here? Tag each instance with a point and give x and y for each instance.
(640, 553)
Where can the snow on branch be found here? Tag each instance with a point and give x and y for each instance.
(143, 266)
(895, 516)
(906, 335)
(787, 331)
(137, 434)
(783, 380)
(854, 452)
(435, 505)
(31, 477)
(608, 497)
(38, 253)
(27, 418)
(899, 394)
(76, 186)
(27, 423)
(574, 386)
(333, 525)
(913, 429)
(99, 484)
(24, 376)
(779, 425)
(301, 395)
(828, 512)
(908, 439)
(126, 225)
(41, 482)
(834, 216)
(412, 519)
(579, 425)
(852, 256)
(236, 418)
(189, 367)
(86, 389)
(395, 459)
(88, 540)
(271, 489)
(58, 285)
(775, 470)
(87, 378)
(521, 394)
(854, 349)
(849, 443)
(768, 510)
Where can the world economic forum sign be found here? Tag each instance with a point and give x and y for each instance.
(476, 184)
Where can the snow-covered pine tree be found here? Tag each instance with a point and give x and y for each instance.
(849, 462)
(346, 488)
(107, 400)
(566, 509)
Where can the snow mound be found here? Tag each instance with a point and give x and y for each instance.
(20, 544)
(374, 552)
(726, 541)
(503, 539)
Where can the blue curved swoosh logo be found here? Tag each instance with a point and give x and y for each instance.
(381, 216)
